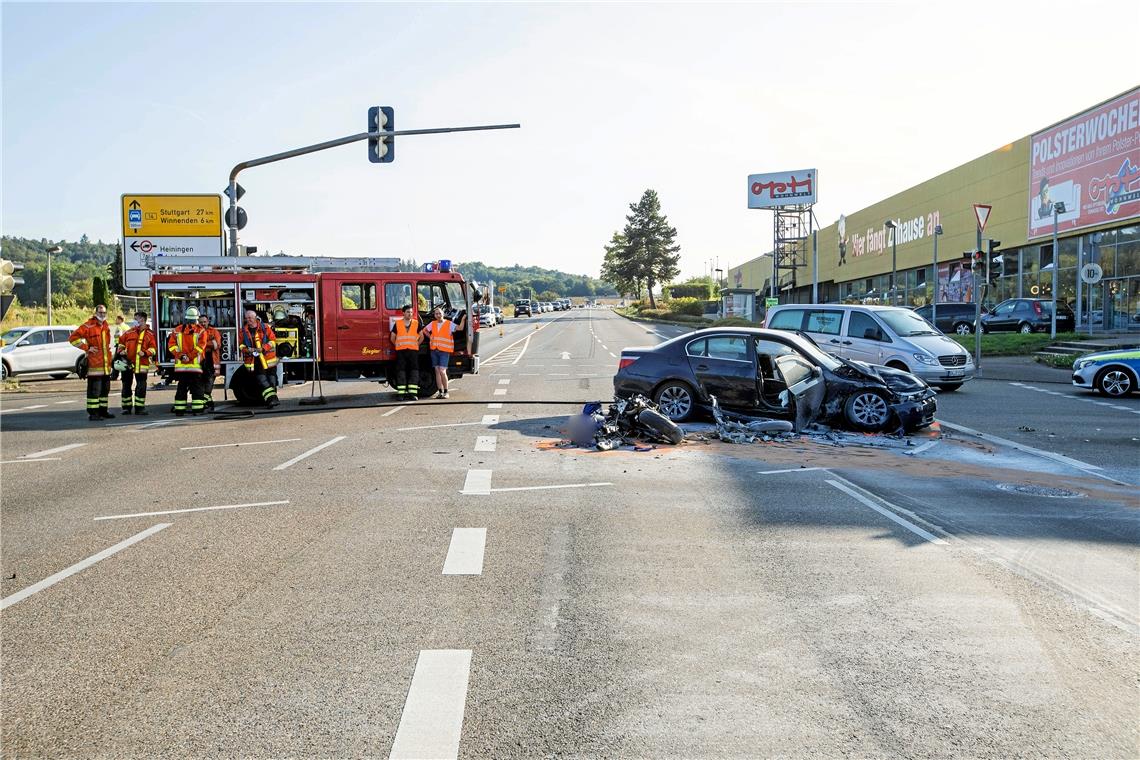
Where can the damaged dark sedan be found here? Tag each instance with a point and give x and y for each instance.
(773, 373)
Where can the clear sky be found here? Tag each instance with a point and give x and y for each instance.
(102, 99)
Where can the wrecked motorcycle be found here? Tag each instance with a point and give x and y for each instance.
(635, 418)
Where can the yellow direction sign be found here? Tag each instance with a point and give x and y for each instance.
(172, 216)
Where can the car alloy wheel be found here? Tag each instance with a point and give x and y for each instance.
(962, 328)
(675, 401)
(867, 410)
(1114, 382)
(1025, 328)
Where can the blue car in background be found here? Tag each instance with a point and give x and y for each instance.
(1113, 373)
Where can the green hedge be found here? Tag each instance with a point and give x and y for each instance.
(696, 292)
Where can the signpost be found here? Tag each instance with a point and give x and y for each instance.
(167, 225)
(982, 214)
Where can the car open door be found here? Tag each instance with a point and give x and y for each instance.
(806, 386)
(724, 368)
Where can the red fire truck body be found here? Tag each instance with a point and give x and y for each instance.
(335, 323)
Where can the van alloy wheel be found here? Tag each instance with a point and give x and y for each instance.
(962, 328)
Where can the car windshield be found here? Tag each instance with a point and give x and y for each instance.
(13, 335)
(813, 352)
(905, 323)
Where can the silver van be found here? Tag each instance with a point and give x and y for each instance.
(887, 335)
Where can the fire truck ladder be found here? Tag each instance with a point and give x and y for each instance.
(269, 264)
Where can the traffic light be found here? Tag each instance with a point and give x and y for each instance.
(381, 150)
(993, 260)
(8, 277)
(973, 260)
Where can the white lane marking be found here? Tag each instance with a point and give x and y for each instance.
(249, 443)
(8, 601)
(309, 453)
(1090, 468)
(193, 509)
(560, 374)
(613, 354)
(495, 405)
(432, 720)
(566, 355)
(922, 448)
(18, 461)
(477, 483)
(1121, 408)
(448, 425)
(530, 374)
(56, 450)
(780, 472)
(490, 419)
(34, 406)
(485, 443)
(547, 488)
(886, 512)
(505, 381)
(500, 391)
(465, 555)
(525, 347)
(390, 412)
(69, 401)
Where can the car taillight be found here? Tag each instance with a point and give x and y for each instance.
(1036, 307)
(625, 362)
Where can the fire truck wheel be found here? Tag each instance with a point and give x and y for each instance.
(427, 383)
(244, 388)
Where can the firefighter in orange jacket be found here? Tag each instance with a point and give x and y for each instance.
(211, 361)
(258, 346)
(406, 339)
(94, 337)
(137, 356)
(186, 344)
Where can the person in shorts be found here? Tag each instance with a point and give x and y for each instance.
(440, 333)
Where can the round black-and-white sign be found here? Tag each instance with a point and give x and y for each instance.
(1091, 273)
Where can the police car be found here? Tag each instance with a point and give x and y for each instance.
(1113, 373)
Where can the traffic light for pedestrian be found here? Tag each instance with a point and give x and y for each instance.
(381, 150)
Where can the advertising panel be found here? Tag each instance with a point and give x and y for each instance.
(782, 189)
(1091, 163)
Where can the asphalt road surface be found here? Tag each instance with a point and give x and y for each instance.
(441, 579)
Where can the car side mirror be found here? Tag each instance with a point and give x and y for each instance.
(816, 372)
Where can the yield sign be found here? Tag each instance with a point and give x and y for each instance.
(982, 212)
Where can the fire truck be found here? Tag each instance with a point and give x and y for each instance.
(332, 316)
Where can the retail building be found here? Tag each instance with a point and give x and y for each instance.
(1090, 162)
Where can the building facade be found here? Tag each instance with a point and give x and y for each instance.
(1090, 163)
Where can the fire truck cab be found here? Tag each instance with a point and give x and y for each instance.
(332, 317)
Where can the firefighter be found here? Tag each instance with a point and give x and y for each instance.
(138, 354)
(211, 360)
(259, 354)
(94, 337)
(406, 338)
(117, 331)
(186, 344)
(441, 332)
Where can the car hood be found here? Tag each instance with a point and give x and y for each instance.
(897, 380)
(937, 345)
(1106, 356)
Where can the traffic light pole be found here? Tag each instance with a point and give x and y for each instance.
(325, 146)
(977, 311)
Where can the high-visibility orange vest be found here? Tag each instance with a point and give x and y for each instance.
(187, 340)
(262, 339)
(441, 338)
(141, 348)
(96, 335)
(407, 338)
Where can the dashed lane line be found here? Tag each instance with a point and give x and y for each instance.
(495, 405)
(1083, 399)
(1091, 469)
(8, 601)
(549, 488)
(56, 450)
(465, 554)
(193, 509)
(247, 443)
(488, 419)
(794, 469)
(432, 720)
(477, 483)
(505, 381)
(310, 452)
(392, 411)
(500, 392)
(19, 461)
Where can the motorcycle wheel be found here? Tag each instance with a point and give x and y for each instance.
(660, 426)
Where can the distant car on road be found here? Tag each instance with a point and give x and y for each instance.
(487, 316)
(1112, 373)
(952, 317)
(523, 306)
(36, 349)
(499, 315)
(1027, 315)
(772, 373)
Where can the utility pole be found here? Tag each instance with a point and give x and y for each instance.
(54, 249)
(1058, 209)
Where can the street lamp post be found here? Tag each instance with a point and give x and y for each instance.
(54, 249)
(890, 225)
(1058, 209)
(934, 283)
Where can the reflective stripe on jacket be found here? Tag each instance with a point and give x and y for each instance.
(441, 337)
(407, 338)
(94, 337)
(190, 341)
(261, 339)
(141, 348)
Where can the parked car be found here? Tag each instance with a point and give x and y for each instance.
(772, 373)
(888, 335)
(499, 315)
(42, 348)
(1027, 315)
(952, 317)
(1112, 373)
(523, 307)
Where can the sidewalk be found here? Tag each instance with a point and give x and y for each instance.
(1022, 369)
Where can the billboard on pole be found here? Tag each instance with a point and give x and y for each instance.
(782, 189)
(1091, 163)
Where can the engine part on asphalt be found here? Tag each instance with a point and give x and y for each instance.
(750, 431)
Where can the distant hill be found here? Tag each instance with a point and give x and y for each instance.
(535, 282)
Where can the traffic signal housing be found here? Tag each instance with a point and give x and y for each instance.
(381, 150)
(993, 260)
(8, 277)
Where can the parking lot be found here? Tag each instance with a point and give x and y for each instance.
(413, 580)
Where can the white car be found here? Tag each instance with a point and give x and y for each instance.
(487, 317)
(39, 349)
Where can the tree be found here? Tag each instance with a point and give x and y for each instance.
(618, 266)
(99, 291)
(652, 242)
